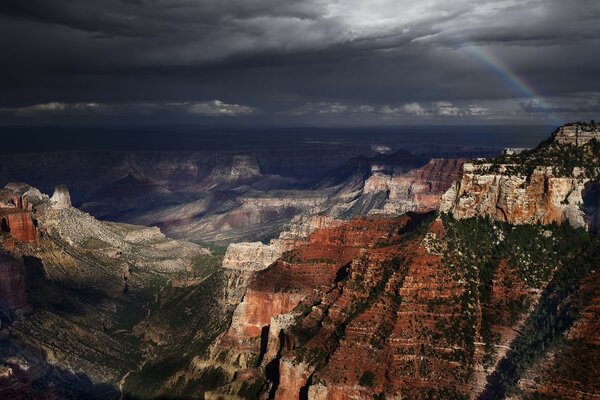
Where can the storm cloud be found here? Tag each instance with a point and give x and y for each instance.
(311, 61)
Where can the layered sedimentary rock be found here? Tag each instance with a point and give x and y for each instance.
(16, 212)
(250, 256)
(577, 134)
(418, 190)
(541, 197)
(437, 309)
(570, 371)
(313, 263)
(243, 260)
(256, 256)
(19, 224)
(274, 292)
(221, 197)
(241, 167)
(555, 183)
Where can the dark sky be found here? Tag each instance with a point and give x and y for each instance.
(353, 62)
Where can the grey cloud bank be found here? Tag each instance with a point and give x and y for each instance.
(379, 61)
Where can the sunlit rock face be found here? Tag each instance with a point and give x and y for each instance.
(61, 198)
(19, 224)
(555, 183)
(66, 281)
(540, 197)
(16, 212)
(417, 190)
(250, 256)
(577, 134)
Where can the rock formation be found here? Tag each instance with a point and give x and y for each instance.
(418, 190)
(350, 301)
(61, 198)
(218, 196)
(16, 212)
(540, 197)
(576, 134)
(19, 224)
(436, 308)
(250, 256)
(554, 183)
(257, 256)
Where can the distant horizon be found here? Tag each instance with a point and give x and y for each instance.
(195, 137)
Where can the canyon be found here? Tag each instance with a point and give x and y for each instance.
(425, 298)
(85, 281)
(407, 304)
(391, 276)
(224, 196)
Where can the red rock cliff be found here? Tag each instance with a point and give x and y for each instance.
(19, 224)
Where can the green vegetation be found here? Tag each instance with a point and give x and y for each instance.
(562, 157)
(313, 356)
(535, 255)
(188, 320)
(318, 356)
(206, 264)
(215, 249)
(552, 258)
(556, 312)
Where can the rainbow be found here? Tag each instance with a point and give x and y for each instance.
(500, 69)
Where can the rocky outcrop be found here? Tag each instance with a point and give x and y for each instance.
(556, 182)
(436, 309)
(250, 256)
(316, 264)
(16, 211)
(418, 190)
(570, 371)
(61, 198)
(256, 256)
(219, 197)
(244, 166)
(19, 224)
(577, 134)
(540, 197)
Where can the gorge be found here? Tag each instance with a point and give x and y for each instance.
(390, 276)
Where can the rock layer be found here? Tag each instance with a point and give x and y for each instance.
(19, 224)
(17, 211)
(418, 190)
(540, 197)
(556, 182)
(577, 134)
